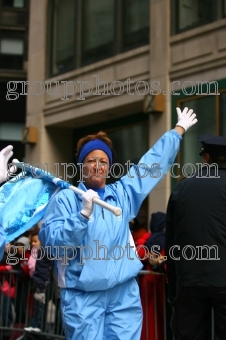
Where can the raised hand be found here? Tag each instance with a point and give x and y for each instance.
(186, 118)
(5, 155)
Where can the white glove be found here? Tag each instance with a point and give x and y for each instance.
(41, 297)
(5, 155)
(87, 202)
(186, 118)
(12, 169)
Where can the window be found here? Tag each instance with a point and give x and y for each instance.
(135, 23)
(13, 3)
(12, 110)
(97, 30)
(194, 13)
(125, 155)
(11, 53)
(222, 100)
(224, 8)
(138, 143)
(211, 113)
(12, 46)
(63, 36)
(188, 14)
(204, 108)
(86, 31)
(11, 131)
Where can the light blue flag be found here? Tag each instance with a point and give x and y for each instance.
(24, 199)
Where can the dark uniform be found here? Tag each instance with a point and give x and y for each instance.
(196, 247)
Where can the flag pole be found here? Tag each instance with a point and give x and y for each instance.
(40, 173)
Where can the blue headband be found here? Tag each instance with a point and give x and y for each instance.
(95, 144)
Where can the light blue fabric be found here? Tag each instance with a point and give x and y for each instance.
(69, 234)
(85, 318)
(23, 203)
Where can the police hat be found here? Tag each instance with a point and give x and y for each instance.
(213, 145)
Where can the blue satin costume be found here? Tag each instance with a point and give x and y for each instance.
(95, 260)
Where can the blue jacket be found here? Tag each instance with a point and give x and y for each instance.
(95, 254)
(2, 242)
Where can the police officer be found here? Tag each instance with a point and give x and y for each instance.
(196, 246)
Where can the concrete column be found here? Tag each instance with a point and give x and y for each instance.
(54, 145)
(159, 71)
(36, 72)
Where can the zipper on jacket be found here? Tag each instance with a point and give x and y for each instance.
(103, 213)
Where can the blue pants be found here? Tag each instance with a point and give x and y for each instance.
(38, 316)
(114, 314)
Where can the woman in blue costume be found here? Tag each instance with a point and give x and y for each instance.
(95, 259)
(5, 155)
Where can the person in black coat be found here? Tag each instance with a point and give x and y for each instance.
(41, 278)
(45, 279)
(196, 246)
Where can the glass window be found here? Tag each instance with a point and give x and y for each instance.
(11, 53)
(63, 36)
(13, 3)
(222, 99)
(138, 143)
(97, 30)
(190, 146)
(10, 18)
(211, 114)
(86, 31)
(193, 13)
(18, 3)
(224, 9)
(138, 137)
(11, 131)
(12, 46)
(12, 110)
(135, 22)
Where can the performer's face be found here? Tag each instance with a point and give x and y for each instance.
(95, 169)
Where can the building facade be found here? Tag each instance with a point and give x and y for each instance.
(98, 65)
(13, 70)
